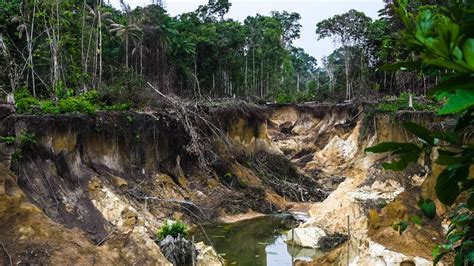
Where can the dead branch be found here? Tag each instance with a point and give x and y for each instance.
(107, 237)
(6, 252)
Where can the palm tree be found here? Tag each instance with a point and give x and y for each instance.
(96, 17)
(127, 30)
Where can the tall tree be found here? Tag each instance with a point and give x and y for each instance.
(347, 30)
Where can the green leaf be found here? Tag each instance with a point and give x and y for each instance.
(419, 131)
(452, 137)
(437, 254)
(470, 202)
(458, 260)
(460, 101)
(393, 147)
(428, 208)
(403, 162)
(469, 257)
(447, 187)
(451, 84)
(465, 121)
(468, 244)
(450, 160)
(468, 50)
(400, 227)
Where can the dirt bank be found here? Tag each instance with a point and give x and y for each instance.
(114, 178)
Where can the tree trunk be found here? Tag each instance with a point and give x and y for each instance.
(261, 79)
(83, 60)
(141, 58)
(253, 70)
(100, 42)
(297, 81)
(347, 71)
(30, 49)
(246, 74)
(126, 51)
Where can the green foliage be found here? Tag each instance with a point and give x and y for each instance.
(416, 220)
(17, 156)
(172, 228)
(428, 208)
(26, 144)
(444, 39)
(27, 140)
(402, 103)
(84, 103)
(400, 227)
(126, 90)
(78, 104)
(406, 152)
(294, 97)
(9, 140)
(25, 102)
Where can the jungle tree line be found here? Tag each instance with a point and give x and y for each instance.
(67, 47)
(60, 48)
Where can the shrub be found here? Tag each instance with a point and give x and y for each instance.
(27, 140)
(77, 104)
(294, 97)
(173, 229)
(9, 140)
(126, 89)
(402, 103)
(25, 101)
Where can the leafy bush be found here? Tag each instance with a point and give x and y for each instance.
(9, 140)
(25, 101)
(402, 103)
(428, 208)
(427, 31)
(127, 89)
(77, 104)
(27, 142)
(294, 97)
(85, 103)
(173, 229)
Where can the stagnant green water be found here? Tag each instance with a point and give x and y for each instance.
(258, 241)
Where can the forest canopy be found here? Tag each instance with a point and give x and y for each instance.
(53, 50)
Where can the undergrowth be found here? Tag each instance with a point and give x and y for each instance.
(88, 102)
(402, 103)
(172, 228)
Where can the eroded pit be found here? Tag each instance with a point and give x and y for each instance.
(102, 185)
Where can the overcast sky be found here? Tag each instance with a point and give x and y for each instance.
(311, 11)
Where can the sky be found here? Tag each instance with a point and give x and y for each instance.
(311, 11)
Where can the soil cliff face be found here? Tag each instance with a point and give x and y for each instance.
(367, 200)
(94, 189)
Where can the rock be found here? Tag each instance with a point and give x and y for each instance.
(129, 218)
(94, 184)
(178, 251)
(330, 242)
(6, 110)
(306, 237)
(377, 254)
(207, 255)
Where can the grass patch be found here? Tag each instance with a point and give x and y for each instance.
(402, 103)
(85, 103)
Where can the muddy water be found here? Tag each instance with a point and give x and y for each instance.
(258, 241)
